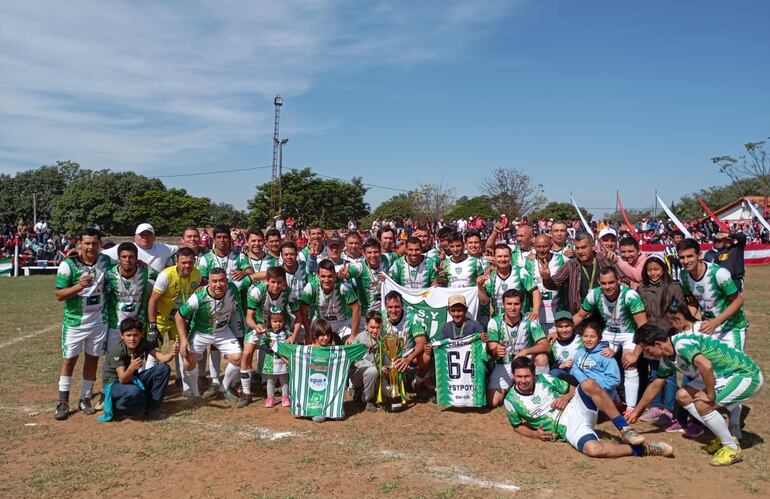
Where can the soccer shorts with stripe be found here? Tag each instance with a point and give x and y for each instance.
(88, 339)
(579, 419)
(734, 389)
(224, 341)
(735, 338)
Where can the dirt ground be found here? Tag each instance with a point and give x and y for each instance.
(215, 450)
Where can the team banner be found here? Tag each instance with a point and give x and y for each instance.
(673, 218)
(430, 304)
(6, 267)
(461, 372)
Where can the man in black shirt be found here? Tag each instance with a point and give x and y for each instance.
(127, 389)
(729, 251)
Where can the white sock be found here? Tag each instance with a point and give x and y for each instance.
(631, 384)
(192, 377)
(541, 370)
(716, 423)
(85, 388)
(693, 411)
(65, 383)
(246, 381)
(231, 374)
(215, 362)
(178, 369)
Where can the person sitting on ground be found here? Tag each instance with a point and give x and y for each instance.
(564, 344)
(594, 360)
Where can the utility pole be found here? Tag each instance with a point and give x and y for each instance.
(280, 175)
(278, 101)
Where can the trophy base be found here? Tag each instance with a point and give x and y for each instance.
(394, 404)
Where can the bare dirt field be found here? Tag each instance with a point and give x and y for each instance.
(217, 451)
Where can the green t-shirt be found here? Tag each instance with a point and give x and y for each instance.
(524, 334)
(535, 409)
(725, 360)
(619, 314)
(89, 306)
(712, 293)
(207, 315)
(368, 284)
(421, 276)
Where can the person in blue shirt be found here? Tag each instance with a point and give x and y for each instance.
(595, 360)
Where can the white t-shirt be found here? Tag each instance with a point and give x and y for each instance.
(157, 257)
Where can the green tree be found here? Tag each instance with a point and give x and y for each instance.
(513, 192)
(466, 207)
(754, 165)
(559, 211)
(47, 183)
(225, 213)
(169, 211)
(715, 197)
(101, 199)
(311, 199)
(634, 216)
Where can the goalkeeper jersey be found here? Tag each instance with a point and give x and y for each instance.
(318, 377)
(461, 372)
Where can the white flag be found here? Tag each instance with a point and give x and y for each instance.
(673, 218)
(582, 218)
(758, 215)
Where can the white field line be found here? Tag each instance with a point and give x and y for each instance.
(454, 474)
(28, 336)
(257, 431)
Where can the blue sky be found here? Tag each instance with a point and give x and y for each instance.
(586, 97)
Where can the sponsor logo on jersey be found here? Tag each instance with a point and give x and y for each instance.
(700, 288)
(536, 399)
(317, 382)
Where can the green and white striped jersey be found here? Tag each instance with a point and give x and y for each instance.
(562, 352)
(725, 360)
(618, 315)
(333, 306)
(264, 263)
(461, 372)
(127, 297)
(712, 291)
(231, 262)
(89, 307)
(318, 377)
(462, 274)
(273, 363)
(260, 301)
(207, 315)
(524, 334)
(368, 283)
(535, 410)
(553, 300)
(518, 278)
(391, 258)
(421, 276)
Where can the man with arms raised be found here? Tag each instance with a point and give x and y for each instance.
(80, 284)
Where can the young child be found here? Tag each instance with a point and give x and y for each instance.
(595, 360)
(566, 343)
(364, 374)
(274, 368)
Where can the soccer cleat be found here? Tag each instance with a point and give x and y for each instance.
(244, 400)
(630, 436)
(285, 401)
(665, 419)
(62, 411)
(99, 405)
(694, 430)
(211, 392)
(155, 415)
(649, 415)
(270, 401)
(674, 427)
(658, 449)
(726, 456)
(85, 406)
(715, 445)
(370, 407)
(230, 396)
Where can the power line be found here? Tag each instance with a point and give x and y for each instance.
(215, 172)
(362, 183)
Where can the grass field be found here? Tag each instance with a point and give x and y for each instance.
(218, 451)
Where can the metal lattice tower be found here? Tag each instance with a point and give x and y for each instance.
(276, 142)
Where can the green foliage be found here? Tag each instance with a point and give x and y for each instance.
(224, 213)
(634, 216)
(47, 182)
(559, 211)
(101, 199)
(311, 199)
(169, 211)
(399, 206)
(465, 207)
(715, 197)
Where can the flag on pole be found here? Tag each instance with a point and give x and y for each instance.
(674, 219)
(625, 217)
(582, 218)
(721, 224)
(758, 215)
(430, 304)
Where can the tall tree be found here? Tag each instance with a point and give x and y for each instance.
(558, 211)
(466, 207)
(46, 183)
(715, 197)
(432, 201)
(225, 213)
(169, 211)
(753, 164)
(513, 192)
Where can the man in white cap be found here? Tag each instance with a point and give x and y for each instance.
(156, 255)
(608, 242)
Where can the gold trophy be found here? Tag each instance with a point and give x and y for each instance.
(391, 380)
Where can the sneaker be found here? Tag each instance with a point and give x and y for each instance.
(726, 456)
(370, 407)
(85, 406)
(244, 400)
(99, 405)
(285, 401)
(694, 430)
(674, 427)
(211, 392)
(270, 401)
(658, 449)
(62, 411)
(664, 420)
(630, 436)
(650, 415)
(155, 415)
(230, 396)
(714, 446)
(319, 419)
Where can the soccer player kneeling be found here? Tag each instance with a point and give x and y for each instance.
(549, 409)
(725, 377)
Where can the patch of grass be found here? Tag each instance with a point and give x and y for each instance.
(447, 492)
(389, 486)
(247, 490)
(67, 476)
(306, 459)
(750, 486)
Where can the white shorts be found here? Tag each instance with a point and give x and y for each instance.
(579, 418)
(501, 377)
(252, 338)
(224, 341)
(619, 340)
(88, 339)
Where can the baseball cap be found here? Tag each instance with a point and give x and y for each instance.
(335, 240)
(609, 231)
(144, 228)
(457, 300)
(562, 315)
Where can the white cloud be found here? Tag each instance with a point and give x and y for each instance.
(127, 84)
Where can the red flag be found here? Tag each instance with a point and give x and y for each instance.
(721, 224)
(625, 217)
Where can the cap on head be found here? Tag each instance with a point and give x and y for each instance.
(335, 241)
(609, 231)
(145, 227)
(457, 300)
(562, 315)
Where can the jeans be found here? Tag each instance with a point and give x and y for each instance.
(131, 399)
(666, 398)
